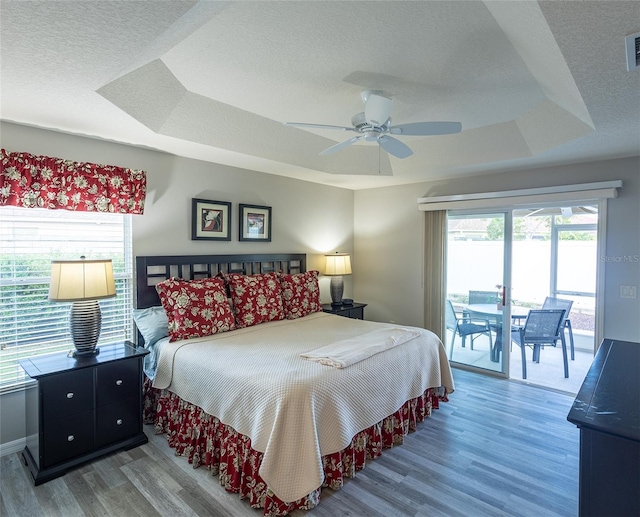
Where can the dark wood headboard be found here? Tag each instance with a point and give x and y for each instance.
(154, 269)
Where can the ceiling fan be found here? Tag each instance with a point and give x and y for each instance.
(374, 125)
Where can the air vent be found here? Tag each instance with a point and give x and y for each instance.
(632, 43)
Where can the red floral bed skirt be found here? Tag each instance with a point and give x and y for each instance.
(204, 440)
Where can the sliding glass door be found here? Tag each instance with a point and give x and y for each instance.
(477, 271)
(503, 263)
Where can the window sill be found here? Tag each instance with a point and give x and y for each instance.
(18, 386)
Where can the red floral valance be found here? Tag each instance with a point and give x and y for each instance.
(45, 182)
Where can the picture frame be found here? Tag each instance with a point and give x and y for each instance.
(255, 223)
(210, 220)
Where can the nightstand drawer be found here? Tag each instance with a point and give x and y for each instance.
(118, 421)
(354, 311)
(357, 313)
(67, 393)
(67, 437)
(117, 381)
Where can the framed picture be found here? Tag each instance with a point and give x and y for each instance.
(210, 220)
(255, 223)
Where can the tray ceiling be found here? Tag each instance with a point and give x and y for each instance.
(533, 83)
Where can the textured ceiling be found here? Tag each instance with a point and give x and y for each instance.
(533, 83)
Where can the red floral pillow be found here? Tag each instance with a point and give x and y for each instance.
(256, 298)
(196, 308)
(300, 294)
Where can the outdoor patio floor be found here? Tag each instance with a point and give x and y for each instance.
(549, 372)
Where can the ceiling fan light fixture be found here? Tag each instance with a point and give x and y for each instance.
(374, 125)
(377, 109)
(366, 95)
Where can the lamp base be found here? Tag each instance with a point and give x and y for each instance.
(84, 353)
(85, 322)
(336, 288)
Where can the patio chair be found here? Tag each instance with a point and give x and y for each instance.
(542, 327)
(560, 303)
(465, 326)
(483, 297)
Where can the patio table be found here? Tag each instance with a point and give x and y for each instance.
(492, 312)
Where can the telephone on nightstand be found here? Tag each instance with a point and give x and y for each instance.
(347, 301)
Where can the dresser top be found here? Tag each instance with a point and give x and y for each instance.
(609, 399)
(50, 364)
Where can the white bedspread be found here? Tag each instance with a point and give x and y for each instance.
(294, 410)
(346, 352)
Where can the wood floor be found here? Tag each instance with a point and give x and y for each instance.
(497, 448)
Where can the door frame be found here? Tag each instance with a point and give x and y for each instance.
(507, 270)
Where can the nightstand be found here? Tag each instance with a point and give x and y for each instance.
(82, 408)
(355, 310)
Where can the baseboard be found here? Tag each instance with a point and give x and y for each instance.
(11, 447)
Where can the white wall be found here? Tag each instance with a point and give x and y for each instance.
(388, 254)
(388, 232)
(306, 217)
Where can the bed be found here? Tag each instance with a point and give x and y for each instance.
(276, 397)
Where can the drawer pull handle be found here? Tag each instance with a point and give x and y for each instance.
(119, 382)
(70, 395)
(70, 438)
(119, 421)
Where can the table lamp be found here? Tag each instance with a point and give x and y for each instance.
(83, 282)
(337, 264)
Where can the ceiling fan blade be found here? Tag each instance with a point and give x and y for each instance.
(426, 128)
(394, 146)
(341, 145)
(318, 126)
(377, 110)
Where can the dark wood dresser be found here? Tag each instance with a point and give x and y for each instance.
(82, 408)
(607, 411)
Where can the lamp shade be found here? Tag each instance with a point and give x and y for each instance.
(338, 264)
(75, 280)
(83, 282)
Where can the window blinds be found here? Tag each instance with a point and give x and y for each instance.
(29, 239)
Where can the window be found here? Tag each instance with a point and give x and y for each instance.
(29, 323)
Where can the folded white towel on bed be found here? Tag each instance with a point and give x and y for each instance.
(349, 351)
